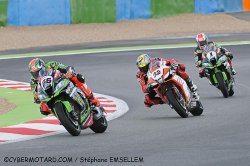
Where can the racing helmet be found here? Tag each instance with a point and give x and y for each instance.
(201, 40)
(143, 62)
(35, 65)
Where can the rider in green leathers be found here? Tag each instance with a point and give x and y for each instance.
(35, 65)
(202, 44)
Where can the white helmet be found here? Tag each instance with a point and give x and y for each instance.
(201, 40)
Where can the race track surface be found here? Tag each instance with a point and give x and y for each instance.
(221, 136)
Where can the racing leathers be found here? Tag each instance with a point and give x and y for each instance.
(78, 79)
(150, 94)
(199, 56)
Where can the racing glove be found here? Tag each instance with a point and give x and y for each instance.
(36, 99)
(174, 66)
(70, 72)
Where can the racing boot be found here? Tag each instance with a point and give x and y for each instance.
(202, 73)
(44, 109)
(193, 88)
(233, 71)
(150, 102)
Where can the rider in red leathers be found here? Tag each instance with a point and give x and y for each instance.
(143, 62)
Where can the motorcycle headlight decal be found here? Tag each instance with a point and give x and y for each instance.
(222, 59)
(70, 88)
(207, 64)
(169, 74)
(58, 86)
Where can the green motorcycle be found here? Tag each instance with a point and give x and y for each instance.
(69, 104)
(218, 72)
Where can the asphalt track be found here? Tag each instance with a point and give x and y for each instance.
(221, 136)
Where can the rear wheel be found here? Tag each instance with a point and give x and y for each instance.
(176, 99)
(70, 124)
(222, 84)
(100, 125)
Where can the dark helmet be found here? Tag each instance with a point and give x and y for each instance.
(143, 62)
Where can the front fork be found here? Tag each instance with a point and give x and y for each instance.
(223, 74)
(161, 93)
(98, 112)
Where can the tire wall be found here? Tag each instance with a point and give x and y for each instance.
(214, 6)
(3, 12)
(160, 8)
(91, 11)
(246, 5)
(47, 12)
(38, 12)
(132, 9)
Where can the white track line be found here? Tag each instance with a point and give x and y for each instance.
(11, 136)
(41, 126)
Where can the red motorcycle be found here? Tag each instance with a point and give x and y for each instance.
(173, 90)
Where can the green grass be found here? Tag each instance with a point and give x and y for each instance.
(25, 109)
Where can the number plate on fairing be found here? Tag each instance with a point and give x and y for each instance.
(47, 82)
(157, 75)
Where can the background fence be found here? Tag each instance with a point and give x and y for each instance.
(45, 12)
(3, 12)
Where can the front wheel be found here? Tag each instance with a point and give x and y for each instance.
(178, 102)
(100, 125)
(71, 125)
(222, 84)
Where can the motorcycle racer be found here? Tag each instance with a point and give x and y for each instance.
(36, 64)
(202, 44)
(143, 62)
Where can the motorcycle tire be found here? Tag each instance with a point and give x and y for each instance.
(222, 84)
(60, 111)
(173, 100)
